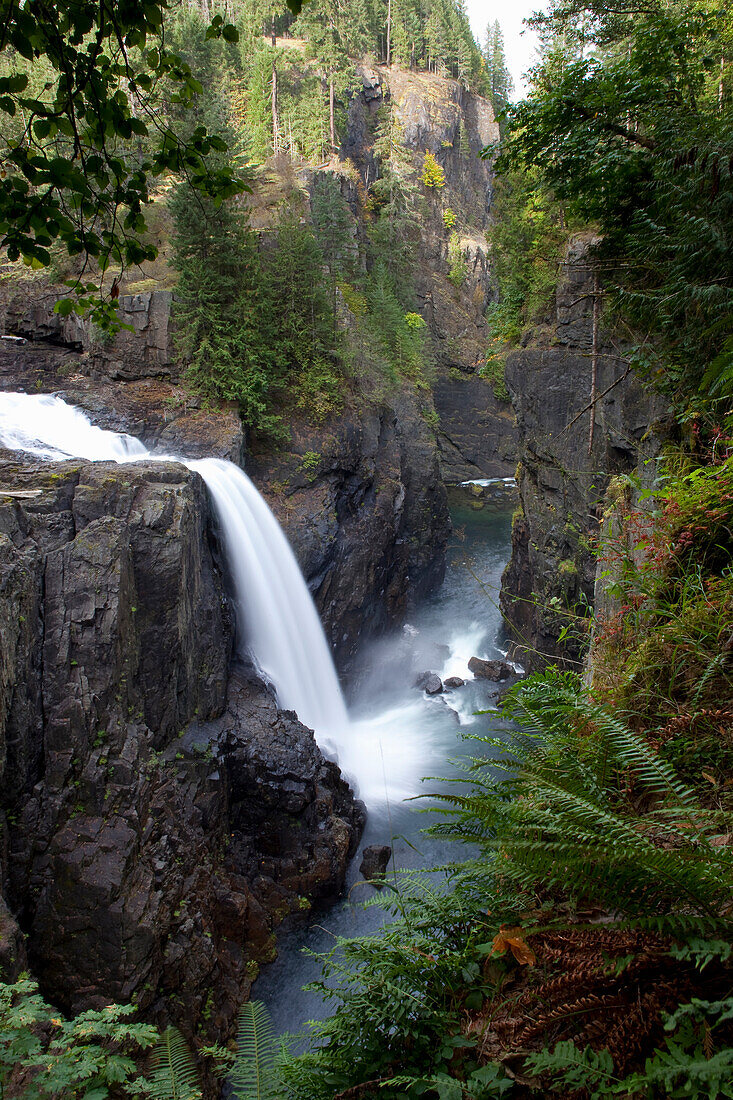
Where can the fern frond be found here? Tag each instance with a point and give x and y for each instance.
(253, 1075)
(174, 1070)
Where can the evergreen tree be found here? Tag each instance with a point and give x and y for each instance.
(299, 299)
(327, 44)
(223, 321)
(499, 77)
(637, 138)
(333, 229)
(436, 47)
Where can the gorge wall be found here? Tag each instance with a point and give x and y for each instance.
(160, 816)
(437, 115)
(548, 587)
(361, 497)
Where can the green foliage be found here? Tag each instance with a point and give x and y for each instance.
(496, 67)
(456, 261)
(577, 810)
(225, 329)
(560, 817)
(449, 218)
(527, 239)
(254, 1075)
(576, 1069)
(398, 996)
(400, 336)
(306, 329)
(174, 1074)
(684, 1067)
(69, 177)
(663, 649)
(85, 1057)
(494, 371)
(432, 175)
(635, 136)
(251, 328)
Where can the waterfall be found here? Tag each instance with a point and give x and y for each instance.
(275, 612)
(276, 618)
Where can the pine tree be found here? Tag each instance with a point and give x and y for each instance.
(223, 322)
(499, 77)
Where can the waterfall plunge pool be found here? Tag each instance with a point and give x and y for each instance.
(460, 621)
(393, 733)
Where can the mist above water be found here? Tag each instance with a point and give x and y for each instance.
(391, 739)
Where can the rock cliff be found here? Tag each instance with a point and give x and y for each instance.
(160, 817)
(364, 506)
(361, 499)
(548, 586)
(476, 430)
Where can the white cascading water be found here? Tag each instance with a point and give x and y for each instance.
(274, 607)
(275, 612)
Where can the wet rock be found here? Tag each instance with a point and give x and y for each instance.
(155, 410)
(163, 816)
(141, 349)
(368, 523)
(421, 681)
(490, 670)
(434, 686)
(375, 859)
(453, 682)
(13, 959)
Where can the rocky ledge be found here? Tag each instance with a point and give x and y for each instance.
(159, 818)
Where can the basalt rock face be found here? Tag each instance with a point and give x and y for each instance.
(548, 586)
(366, 512)
(164, 416)
(159, 817)
(141, 349)
(476, 434)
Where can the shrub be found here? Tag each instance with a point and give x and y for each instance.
(432, 175)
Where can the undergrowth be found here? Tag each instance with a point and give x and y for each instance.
(587, 951)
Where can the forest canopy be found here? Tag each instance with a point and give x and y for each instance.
(628, 131)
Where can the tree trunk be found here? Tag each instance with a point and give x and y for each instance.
(389, 31)
(275, 120)
(594, 365)
(331, 114)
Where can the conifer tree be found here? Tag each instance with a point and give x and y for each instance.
(223, 322)
(333, 228)
(498, 74)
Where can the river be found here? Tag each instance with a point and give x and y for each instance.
(411, 735)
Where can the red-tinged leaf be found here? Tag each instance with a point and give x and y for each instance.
(512, 939)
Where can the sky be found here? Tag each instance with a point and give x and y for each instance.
(510, 13)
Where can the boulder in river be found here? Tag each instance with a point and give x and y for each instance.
(434, 686)
(421, 681)
(453, 682)
(375, 858)
(490, 670)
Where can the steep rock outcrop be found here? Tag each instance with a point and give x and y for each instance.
(160, 818)
(549, 583)
(364, 507)
(477, 435)
(141, 349)
(165, 417)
